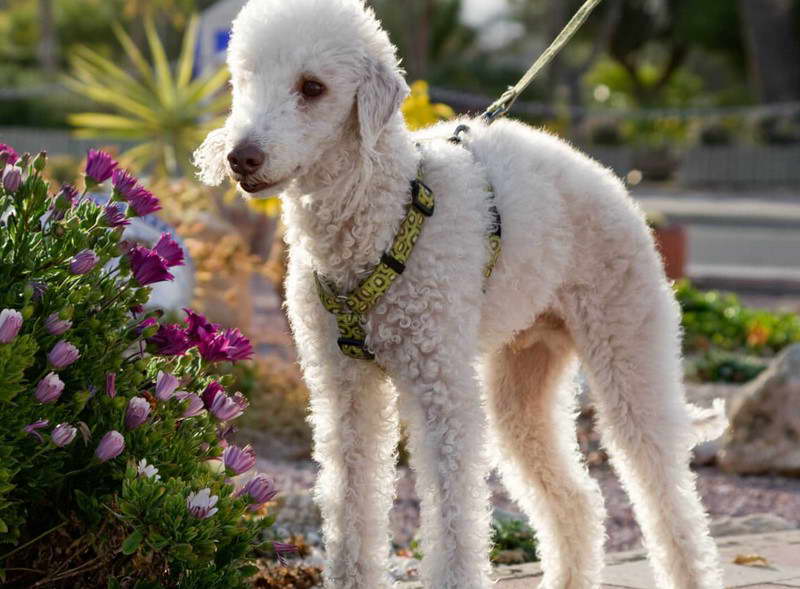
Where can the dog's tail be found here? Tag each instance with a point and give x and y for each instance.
(708, 424)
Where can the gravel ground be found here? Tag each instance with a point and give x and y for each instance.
(723, 495)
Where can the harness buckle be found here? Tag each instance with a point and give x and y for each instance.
(416, 186)
(355, 348)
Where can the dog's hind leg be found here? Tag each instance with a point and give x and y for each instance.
(532, 413)
(626, 329)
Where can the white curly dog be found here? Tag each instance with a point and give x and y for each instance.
(469, 364)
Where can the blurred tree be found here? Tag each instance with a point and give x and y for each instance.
(653, 40)
(48, 57)
(770, 29)
(429, 34)
(168, 112)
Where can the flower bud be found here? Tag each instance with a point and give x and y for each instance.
(111, 445)
(63, 434)
(10, 324)
(12, 180)
(63, 354)
(39, 161)
(137, 412)
(49, 389)
(83, 262)
(55, 325)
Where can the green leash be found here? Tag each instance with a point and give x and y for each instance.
(504, 103)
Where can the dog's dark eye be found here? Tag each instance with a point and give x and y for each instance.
(312, 89)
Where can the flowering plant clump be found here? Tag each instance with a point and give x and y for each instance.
(114, 468)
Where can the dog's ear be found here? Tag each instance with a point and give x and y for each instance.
(379, 96)
(210, 158)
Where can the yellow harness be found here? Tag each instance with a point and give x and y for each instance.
(350, 310)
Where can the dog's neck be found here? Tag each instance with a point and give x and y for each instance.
(345, 213)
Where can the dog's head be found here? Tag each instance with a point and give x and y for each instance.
(303, 72)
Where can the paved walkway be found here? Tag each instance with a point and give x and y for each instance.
(770, 560)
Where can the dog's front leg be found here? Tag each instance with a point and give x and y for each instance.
(355, 427)
(439, 398)
(354, 418)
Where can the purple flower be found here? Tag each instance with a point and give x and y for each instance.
(12, 179)
(239, 347)
(143, 202)
(211, 391)
(10, 324)
(228, 345)
(99, 166)
(55, 325)
(198, 327)
(171, 340)
(63, 434)
(260, 490)
(194, 407)
(39, 424)
(137, 412)
(166, 384)
(169, 249)
(201, 504)
(12, 156)
(226, 408)
(63, 354)
(83, 262)
(110, 446)
(238, 460)
(111, 384)
(114, 215)
(282, 549)
(124, 182)
(49, 389)
(147, 266)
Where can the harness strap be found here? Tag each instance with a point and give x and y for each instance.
(350, 309)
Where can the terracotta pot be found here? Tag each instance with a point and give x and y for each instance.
(671, 242)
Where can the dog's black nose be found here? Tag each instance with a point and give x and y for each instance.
(246, 159)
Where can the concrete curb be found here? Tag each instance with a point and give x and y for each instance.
(630, 570)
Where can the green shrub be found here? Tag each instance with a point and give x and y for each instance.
(512, 534)
(716, 366)
(714, 320)
(109, 476)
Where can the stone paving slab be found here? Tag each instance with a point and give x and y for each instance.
(630, 570)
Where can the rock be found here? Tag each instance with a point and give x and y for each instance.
(756, 523)
(764, 431)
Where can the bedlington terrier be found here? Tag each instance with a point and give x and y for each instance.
(480, 369)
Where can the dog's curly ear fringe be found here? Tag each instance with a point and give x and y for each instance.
(209, 158)
(379, 97)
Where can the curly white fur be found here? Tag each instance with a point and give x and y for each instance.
(578, 275)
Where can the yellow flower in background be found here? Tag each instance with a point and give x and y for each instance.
(271, 206)
(418, 110)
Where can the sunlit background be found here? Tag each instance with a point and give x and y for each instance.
(694, 103)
